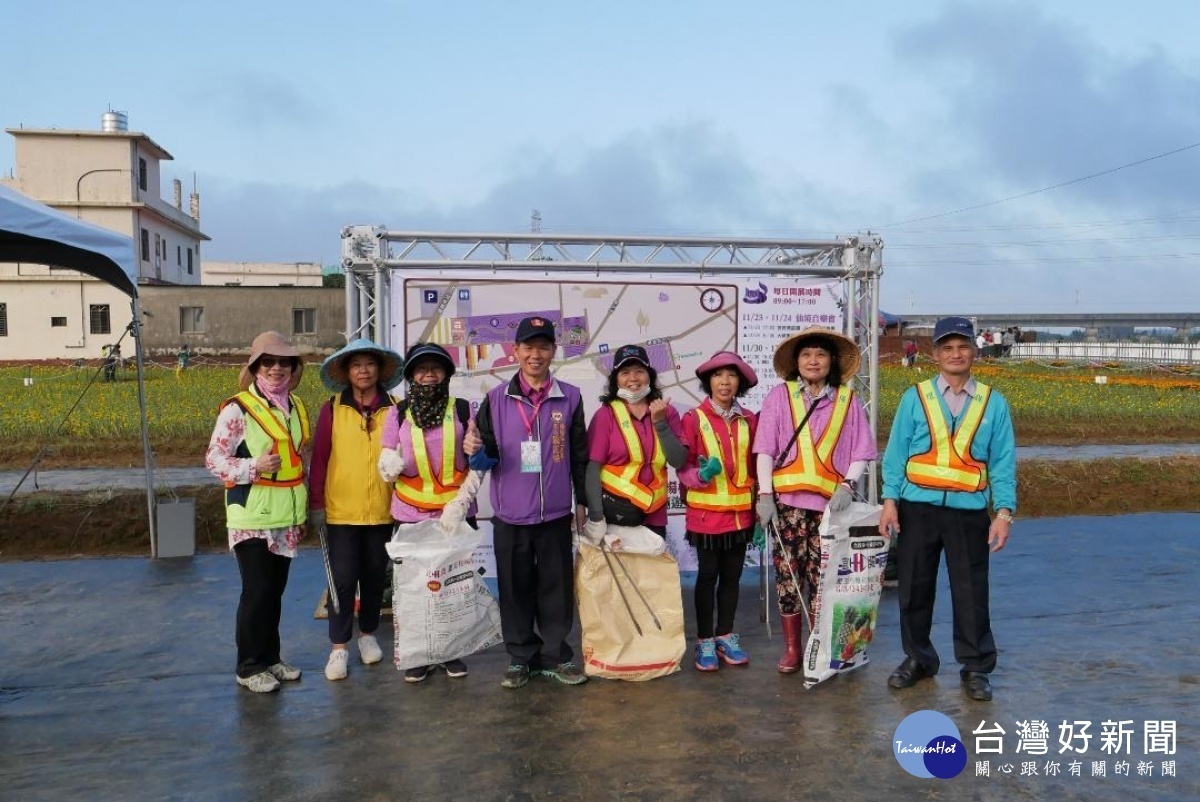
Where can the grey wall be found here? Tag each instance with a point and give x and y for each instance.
(233, 316)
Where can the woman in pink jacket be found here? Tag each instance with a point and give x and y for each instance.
(719, 479)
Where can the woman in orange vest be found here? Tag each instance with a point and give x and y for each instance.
(423, 457)
(631, 440)
(813, 442)
(347, 496)
(719, 477)
(255, 450)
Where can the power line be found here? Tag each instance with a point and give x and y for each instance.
(1045, 189)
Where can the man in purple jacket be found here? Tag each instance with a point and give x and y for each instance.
(531, 434)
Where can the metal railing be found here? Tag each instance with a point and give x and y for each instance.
(1130, 352)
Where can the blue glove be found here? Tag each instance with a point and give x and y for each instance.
(480, 461)
(760, 537)
(710, 467)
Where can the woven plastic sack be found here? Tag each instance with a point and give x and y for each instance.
(441, 608)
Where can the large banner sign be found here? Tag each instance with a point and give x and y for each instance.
(680, 322)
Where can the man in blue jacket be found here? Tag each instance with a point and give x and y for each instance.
(532, 435)
(951, 452)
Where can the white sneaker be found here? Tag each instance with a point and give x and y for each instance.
(262, 682)
(335, 669)
(284, 672)
(368, 650)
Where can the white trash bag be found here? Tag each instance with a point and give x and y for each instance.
(441, 608)
(634, 540)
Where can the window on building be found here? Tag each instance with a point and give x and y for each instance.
(3, 320)
(189, 261)
(142, 180)
(145, 245)
(179, 256)
(98, 320)
(191, 320)
(58, 322)
(304, 321)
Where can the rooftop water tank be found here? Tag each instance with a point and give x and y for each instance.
(112, 122)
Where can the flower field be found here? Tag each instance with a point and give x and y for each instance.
(1051, 405)
(1064, 405)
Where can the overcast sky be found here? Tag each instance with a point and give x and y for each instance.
(699, 118)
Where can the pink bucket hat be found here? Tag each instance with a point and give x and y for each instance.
(728, 359)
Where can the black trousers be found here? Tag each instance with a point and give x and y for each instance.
(534, 572)
(359, 558)
(264, 578)
(926, 530)
(718, 577)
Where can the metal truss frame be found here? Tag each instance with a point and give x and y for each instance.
(371, 253)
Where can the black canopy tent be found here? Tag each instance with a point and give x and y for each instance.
(33, 232)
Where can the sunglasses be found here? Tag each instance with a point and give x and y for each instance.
(271, 361)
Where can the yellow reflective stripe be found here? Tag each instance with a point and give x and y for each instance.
(954, 468)
(292, 468)
(810, 469)
(723, 495)
(424, 467)
(971, 421)
(622, 480)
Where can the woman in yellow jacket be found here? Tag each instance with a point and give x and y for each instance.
(349, 498)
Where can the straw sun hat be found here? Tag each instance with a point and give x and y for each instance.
(847, 352)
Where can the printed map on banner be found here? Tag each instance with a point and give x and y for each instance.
(680, 323)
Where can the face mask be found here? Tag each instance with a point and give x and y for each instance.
(632, 396)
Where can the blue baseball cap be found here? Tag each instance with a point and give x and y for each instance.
(948, 326)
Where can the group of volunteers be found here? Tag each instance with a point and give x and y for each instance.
(378, 461)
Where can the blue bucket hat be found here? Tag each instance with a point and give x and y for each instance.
(333, 369)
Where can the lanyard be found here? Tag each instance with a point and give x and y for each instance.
(526, 418)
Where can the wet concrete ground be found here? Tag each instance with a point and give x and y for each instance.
(117, 683)
(135, 478)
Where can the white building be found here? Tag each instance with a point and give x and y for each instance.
(262, 274)
(110, 177)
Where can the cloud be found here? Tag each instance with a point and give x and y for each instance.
(683, 179)
(1040, 103)
(260, 100)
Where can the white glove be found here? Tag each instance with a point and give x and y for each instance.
(594, 532)
(840, 500)
(453, 514)
(391, 464)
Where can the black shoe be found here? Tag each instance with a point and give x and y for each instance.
(517, 676)
(908, 674)
(455, 668)
(977, 686)
(417, 674)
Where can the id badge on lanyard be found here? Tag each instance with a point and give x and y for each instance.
(531, 456)
(531, 448)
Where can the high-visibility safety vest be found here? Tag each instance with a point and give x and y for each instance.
(279, 499)
(948, 464)
(429, 490)
(723, 495)
(622, 480)
(270, 430)
(812, 469)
